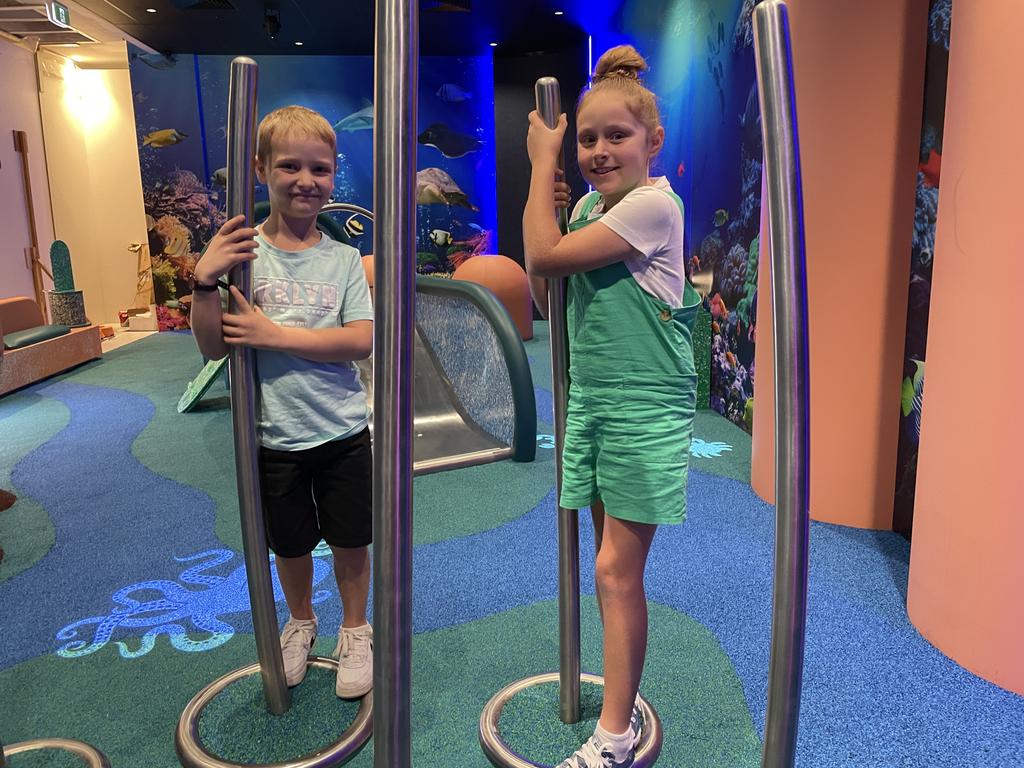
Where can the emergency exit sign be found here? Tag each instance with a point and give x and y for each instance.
(58, 14)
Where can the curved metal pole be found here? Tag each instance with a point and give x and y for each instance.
(89, 756)
(773, 56)
(549, 106)
(394, 203)
(242, 370)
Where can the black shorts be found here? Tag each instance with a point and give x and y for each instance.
(319, 493)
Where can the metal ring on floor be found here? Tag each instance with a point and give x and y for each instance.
(503, 756)
(89, 755)
(192, 753)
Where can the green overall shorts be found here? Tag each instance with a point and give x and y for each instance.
(632, 394)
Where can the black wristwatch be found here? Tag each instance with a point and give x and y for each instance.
(196, 286)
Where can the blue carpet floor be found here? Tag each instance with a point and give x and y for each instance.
(119, 545)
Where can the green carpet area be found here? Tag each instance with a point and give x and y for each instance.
(129, 708)
(26, 533)
(236, 726)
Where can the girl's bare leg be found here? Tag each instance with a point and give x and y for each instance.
(597, 512)
(620, 578)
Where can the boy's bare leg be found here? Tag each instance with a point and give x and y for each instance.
(620, 573)
(296, 575)
(597, 513)
(352, 572)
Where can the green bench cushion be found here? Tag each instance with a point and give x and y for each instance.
(18, 339)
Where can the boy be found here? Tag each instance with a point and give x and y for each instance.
(311, 317)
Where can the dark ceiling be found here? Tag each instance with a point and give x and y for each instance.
(341, 27)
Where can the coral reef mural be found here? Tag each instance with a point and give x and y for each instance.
(922, 255)
(181, 118)
(702, 69)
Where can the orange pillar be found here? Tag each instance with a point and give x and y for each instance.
(967, 558)
(859, 76)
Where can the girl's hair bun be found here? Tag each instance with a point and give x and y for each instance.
(620, 61)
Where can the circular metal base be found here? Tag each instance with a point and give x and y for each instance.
(89, 755)
(502, 755)
(192, 753)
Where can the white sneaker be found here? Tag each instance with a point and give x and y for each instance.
(296, 641)
(593, 754)
(355, 662)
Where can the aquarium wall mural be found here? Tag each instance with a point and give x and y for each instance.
(181, 118)
(912, 394)
(701, 61)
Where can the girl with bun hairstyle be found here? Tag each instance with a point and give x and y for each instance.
(633, 385)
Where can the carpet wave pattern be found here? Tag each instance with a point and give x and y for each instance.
(123, 594)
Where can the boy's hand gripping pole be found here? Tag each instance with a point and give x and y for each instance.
(550, 108)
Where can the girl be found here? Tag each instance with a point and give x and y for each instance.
(632, 391)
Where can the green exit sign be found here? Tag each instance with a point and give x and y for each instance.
(58, 14)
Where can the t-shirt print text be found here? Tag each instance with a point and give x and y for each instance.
(315, 298)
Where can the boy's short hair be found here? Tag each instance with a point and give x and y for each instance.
(293, 120)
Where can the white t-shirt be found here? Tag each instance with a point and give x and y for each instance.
(650, 220)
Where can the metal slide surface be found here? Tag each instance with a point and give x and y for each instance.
(444, 435)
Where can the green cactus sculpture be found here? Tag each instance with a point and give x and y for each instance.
(67, 306)
(60, 263)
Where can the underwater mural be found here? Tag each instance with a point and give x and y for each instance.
(922, 251)
(701, 61)
(181, 118)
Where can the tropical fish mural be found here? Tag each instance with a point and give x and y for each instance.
(184, 174)
(164, 138)
(929, 172)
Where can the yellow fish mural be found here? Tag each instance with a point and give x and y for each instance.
(164, 138)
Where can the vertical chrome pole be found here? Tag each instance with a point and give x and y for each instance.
(773, 55)
(549, 106)
(244, 393)
(394, 246)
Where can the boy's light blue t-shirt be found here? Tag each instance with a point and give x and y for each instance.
(305, 403)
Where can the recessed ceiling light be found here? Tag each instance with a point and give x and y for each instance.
(298, 42)
(494, 45)
(151, 10)
(559, 13)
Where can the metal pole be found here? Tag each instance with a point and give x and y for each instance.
(773, 55)
(394, 246)
(549, 107)
(242, 369)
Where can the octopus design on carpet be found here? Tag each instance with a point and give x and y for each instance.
(168, 608)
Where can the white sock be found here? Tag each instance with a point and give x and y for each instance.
(620, 743)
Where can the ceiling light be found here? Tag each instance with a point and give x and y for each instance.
(151, 10)
(298, 42)
(494, 45)
(559, 13)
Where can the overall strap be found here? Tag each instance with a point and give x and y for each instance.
(592, 199)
